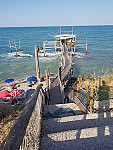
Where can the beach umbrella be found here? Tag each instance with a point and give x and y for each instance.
(31, 78)
(4, 94)
(16, 92)
(9, 80)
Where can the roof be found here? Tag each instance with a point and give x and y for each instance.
(65, 36)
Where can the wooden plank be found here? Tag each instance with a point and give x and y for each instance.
(80, 105)
(55, 92)
(73, 87)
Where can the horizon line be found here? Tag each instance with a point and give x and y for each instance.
(55, 26)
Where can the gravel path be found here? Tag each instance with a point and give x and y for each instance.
(77, 132)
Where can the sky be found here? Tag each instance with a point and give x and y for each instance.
(25, 13)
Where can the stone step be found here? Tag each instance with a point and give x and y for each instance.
(77, 132)
(96, 138)
(74, 110)
(83, 121)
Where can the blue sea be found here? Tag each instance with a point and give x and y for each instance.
(99, 56)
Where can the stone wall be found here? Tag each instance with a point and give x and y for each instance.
(32, 136)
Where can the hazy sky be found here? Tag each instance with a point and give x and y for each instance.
(55, 12)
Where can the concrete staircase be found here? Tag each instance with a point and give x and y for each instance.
(74, 130)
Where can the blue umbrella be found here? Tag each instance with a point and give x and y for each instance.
(9, 80)
(32, 78)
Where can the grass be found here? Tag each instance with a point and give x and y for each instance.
(5, 112)
(104, 90)
(8, 116)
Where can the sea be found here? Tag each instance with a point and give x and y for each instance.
(99, 56)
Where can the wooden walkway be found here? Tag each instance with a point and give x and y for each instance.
(55, 92)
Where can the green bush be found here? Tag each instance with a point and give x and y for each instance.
(5, 112)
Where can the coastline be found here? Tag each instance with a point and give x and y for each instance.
(16, 79)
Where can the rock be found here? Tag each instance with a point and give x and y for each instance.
(85, 77)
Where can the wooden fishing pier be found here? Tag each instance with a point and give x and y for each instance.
(56, 95)
(15, 46)
(63, 41)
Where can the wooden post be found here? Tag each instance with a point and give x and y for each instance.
(71, 59)
(48, 71)
(91, 97)
(47, 81)
(86, 45)
(74, 49)
(61, 46)
(60, 72)
(19, 45)
(37, 62)
(48, 77)
(67, 98)
(75, 90)
(59, 75)
(61, 62)
(77, 87)
(16, 52)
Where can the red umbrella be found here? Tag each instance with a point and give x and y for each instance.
(4, 94)
(16, 92)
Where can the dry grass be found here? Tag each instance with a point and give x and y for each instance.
(8, 116)
(105, 80)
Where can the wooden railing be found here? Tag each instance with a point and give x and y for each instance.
(60, 71)
(73, 96)
(30, 114)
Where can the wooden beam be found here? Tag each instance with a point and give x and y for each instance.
(80, 105)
